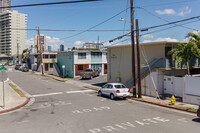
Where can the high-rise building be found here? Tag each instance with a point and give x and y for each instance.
(61, 47)
(49, 48)
(42, 42)
(12, 41)
(4, 3)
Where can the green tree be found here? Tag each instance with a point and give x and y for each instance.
(74, 48)
(194, 38)
(25, 54)
(185, 52)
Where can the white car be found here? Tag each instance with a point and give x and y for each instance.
(114, 90)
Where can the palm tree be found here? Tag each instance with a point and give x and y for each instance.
(194, 38)
(185, 52)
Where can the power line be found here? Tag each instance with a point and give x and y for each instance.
(70, 30)
(170, 3)
(96, 24)
(165, 19)
(53, 3)
(156, 26)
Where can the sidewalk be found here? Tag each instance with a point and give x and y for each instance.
(12, 99)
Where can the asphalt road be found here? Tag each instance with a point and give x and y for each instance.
(96, 81)
(65, 108)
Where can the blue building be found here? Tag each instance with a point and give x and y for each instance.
(61, 47)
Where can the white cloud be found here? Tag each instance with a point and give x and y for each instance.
(166, 12)
(148, 36)
(162, 40)
(78, 44)
(182, 11)
(50, 41)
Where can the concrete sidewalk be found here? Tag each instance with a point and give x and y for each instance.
(12, 99)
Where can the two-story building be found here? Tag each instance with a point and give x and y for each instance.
(48, 60)
(76, 62)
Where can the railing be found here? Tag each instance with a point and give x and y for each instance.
(155, 63)
(58, 69)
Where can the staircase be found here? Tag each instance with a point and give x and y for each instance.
(58, 69)
(155, 63)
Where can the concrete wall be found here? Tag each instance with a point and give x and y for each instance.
(119, 60)
(67, 59)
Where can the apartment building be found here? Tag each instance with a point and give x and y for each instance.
(42, 42)
(4, 3)
(11, 38)
(77, 61)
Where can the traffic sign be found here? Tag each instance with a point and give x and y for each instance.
(3, 68)
(3, 76)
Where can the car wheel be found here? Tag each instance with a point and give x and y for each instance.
(112, 96)
(100, 93)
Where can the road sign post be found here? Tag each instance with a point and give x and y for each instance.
(3, 77)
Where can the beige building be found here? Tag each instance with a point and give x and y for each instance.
(42, 41)
(10, 21)
(4, 3)
(153, 54)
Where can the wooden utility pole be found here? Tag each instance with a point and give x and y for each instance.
(40, 51)
(138, 60)
(133, 48)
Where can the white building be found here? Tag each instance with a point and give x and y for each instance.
(10, 21)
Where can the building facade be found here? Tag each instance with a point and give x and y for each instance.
(62, 47)
(42, 42)
(49, 48)
(48, 59)
(4, 3)
(77, 61)
(12, 41)
(93, 45)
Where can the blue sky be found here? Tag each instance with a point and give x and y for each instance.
(82, 16)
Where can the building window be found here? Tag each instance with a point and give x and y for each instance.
(52, 56)
(81, 55)
(96, 54)
(80, 67)
(51, 65)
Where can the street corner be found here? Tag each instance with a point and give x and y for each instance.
(13, 97)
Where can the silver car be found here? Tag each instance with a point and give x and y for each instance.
(114, 90)
(198, 111)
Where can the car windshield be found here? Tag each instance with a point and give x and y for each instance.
(119, 86)
(88, 70)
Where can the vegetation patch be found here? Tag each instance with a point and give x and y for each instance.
(16, 90)
(91, 87)
(57, 78)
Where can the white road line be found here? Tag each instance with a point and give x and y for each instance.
(48, 94)
(81, 91)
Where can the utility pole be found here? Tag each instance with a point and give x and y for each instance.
(133, 48)
(17, 53)
(138, 60)
(40, 51)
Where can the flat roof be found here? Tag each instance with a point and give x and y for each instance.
(147, 43)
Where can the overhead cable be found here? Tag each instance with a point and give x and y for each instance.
(53, 3)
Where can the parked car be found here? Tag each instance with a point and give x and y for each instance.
(89, 73)
(25, 69)
(114, 90)
(198, 111)
(18, 66)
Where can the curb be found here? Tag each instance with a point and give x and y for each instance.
(171, 107)
(14, 108)
(19, 106)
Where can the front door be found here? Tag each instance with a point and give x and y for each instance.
(46, 67)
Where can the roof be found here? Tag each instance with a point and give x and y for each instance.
(148, 43)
